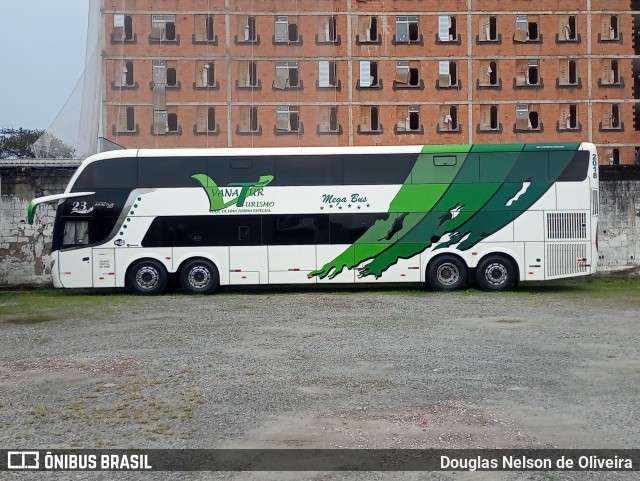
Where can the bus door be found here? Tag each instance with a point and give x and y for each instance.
(104, 269)
(75, 262)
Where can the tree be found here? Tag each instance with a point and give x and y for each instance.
(31, 144)
(16, 144)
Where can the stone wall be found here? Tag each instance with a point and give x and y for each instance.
(24, 249)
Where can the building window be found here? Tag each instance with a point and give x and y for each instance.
(368, 30)
(609, 29)
(568, 74)
(488, 74)
(248, 75)
(122, 29)
(247, 32)
(407, 30)
(369, 77)
(287, 31)
(248, 116)
(369, 120)
(329, 120)
(448, 119)
(408, 75)
(125, 121)
(328, 30)
(172, 122)
(489, 119)
(123, 74)
(204, 30)
(165, 73)
(448, 30)
(527, 29)
(163, 28)
(528, 74)
(288, 120)
(328, 74)
(611, 117)
(205, 75)
(610, 73)
(206, 120)
(488, 29)
(287, 76)
(528, 118)
(447, 74)
(568, 119)
(612, 156)
(568, 31)
(408, 119)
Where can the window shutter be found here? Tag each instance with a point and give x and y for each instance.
(323, 29)
(365, 118)
(606, 73)
(402, 72)
(365, 73)
(200, 27)
(443, 73)
(485, 72)
(201, 118)
(244, 114)
(564, 114)
(444, 24)
(160, 123)
(402, 117)
(522, 28)
(323, 73)
(605, 28)
(282, 29)
(118, 26)
(325, 118)
(485, 117)
(563, 72)
(522, 116)
(243, 73)
(364, 25)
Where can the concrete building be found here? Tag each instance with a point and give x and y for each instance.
(218, 73)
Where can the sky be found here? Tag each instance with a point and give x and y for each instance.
(42, 53)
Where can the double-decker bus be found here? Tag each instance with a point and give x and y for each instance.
(445, 215)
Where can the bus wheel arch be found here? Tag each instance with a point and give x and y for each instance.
(497, 272)
(147, 277)
(199, 275)
(446, 272)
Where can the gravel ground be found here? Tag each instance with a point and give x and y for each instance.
(322, 369)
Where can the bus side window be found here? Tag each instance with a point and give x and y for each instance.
(76, 232)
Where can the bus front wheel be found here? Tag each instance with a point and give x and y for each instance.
(148, 277)
(447, 273)
(495, 273)
(199, 276)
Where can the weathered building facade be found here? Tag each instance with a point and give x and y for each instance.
(205, 73)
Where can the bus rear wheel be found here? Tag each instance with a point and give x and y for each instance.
(495, 273)
(447, 273)
(148, 277)
(199, 276)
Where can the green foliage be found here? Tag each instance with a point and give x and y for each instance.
(16, 144)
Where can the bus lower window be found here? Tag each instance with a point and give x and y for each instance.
(76, 232)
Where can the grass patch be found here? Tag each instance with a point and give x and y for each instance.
(46, 305)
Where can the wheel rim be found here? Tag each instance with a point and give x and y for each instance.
(147, 277)
(448, 274)
(199, 277)
(496, 274)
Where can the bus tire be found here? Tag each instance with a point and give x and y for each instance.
(199, 276)
(447, 273)
(148, 277)
(496, 273)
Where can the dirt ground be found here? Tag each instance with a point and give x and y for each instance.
(538, 368)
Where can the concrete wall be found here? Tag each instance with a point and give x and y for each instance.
(24, 249)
